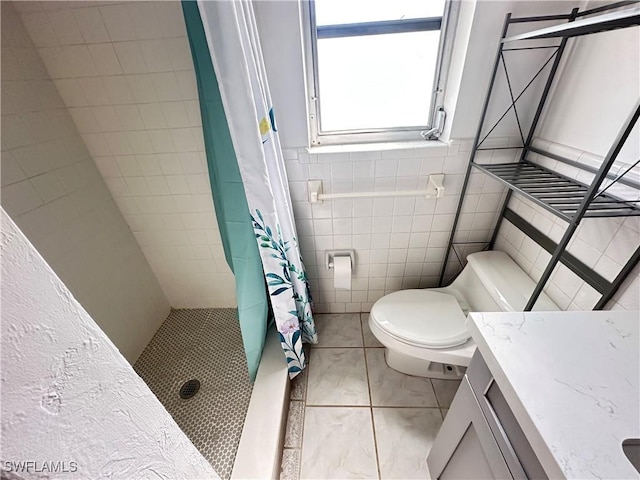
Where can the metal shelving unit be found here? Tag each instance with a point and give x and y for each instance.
(565, 197)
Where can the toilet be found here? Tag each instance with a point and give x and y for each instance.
(423, 330)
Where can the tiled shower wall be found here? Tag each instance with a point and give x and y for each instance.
(125, 74)
(399, 243)
(53, 191)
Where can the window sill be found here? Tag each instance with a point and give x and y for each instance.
(371, 147)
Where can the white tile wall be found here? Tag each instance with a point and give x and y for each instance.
(604, 244)
(125, 74)
(399, 242)
(54, 193)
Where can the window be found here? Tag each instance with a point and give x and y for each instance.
(375, 68)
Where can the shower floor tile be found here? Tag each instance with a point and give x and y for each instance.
(203, 344)
(329, 434)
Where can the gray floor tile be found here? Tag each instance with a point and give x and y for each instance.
(404, 437)
(338, 443)
(394, 389)
(337, 376)
(338, 330)
(445, 391)
(369, 339)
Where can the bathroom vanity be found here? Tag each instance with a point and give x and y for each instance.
(547, 395)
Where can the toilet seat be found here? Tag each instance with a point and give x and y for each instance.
(422, 318)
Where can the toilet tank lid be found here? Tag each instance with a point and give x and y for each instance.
(507, 283)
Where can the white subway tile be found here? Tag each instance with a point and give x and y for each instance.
(71, 92)
(382, 224)
(91, 25)
(178, 184)
(118, 23)
(105, 59)
(142, 88)
(179, 53)
(323, 227)
(409, 167)
(19, 198)
(107, 119)
(156, 56)
(95, 91)
(40, 29)
(198, 184)
(169, 14)
(342, 170)
(401, 224)
(622, 245)
(65, 27)
(118, 90)
(400, 240)
(386, 168)
(129, 117)
(128, 166)
(166, 86)
(187, 85)
(368, 155)
(175, 114)
(11, 171)
(144, 20)
(118, 143)
(161, 141)
(48, 186)
(342, 226)
(152, 115)
(404, 206)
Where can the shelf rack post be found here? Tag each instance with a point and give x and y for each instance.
(563, 196)
(586, 201)
(534, 123)
(476, 141)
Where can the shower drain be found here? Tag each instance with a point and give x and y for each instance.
(189, 389)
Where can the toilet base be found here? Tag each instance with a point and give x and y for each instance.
(418, 367)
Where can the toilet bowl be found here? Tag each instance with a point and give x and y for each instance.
(424, 331)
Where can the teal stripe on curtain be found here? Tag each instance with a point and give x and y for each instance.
(232, 212)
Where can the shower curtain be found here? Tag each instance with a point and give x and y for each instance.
(232, 211)
(234, 47)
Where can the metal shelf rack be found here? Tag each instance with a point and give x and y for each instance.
(565, 197)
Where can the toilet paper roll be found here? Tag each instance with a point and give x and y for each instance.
(342, 273)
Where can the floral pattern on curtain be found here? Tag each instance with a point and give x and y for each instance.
(237, 58)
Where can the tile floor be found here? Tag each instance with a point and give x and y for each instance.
(205, 344)
(351, 416)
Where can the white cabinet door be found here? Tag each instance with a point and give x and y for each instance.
(465, 447)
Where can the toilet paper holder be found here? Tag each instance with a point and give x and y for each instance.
(330, 254)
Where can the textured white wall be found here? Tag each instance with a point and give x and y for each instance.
(54, 192)
(125, 74)
(67, 393)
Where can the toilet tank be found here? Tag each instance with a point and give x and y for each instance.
(492, 281)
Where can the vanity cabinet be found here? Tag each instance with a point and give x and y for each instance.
(480, 438)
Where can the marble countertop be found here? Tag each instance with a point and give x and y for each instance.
(572, 380)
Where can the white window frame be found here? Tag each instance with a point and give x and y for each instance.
(375, 135)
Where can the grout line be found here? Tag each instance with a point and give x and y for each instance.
(435, 394)
(304, 409)
(373, 424)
